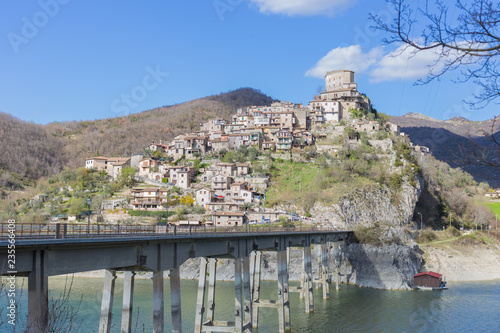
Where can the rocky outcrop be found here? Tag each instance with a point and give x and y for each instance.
(364, 206)
(381, 267)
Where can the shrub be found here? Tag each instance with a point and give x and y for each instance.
(425, 236)
(396, 181)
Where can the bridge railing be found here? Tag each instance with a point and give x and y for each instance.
(82, 231)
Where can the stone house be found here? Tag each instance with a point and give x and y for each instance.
(229, 219)
(204, 196)
(147, 165)
(173, 174)
(214, 125)
(242, 169)
(221, 182)
(284, 140)
(148, 198)
(226, 169)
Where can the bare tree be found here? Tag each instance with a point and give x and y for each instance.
(465, 37)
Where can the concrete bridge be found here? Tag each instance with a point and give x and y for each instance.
(47, 250)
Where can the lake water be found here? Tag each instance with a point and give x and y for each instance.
(465, 307)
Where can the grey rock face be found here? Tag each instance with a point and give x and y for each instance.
(384, 267)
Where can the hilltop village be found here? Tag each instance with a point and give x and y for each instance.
(191, 169)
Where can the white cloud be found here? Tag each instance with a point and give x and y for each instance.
(403, 64)
(351, 58)
(301, 7)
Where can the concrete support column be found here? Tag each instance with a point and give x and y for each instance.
(108, 293)
(38, 295)
(281, 298)
(252, 270)
(238, 300)
(317, 256)
(308, 282)
(324, 271)
(212, 277)
(175, 300)
(200, 302)
(286, 288)
(336, 252)
(256, 288)
(247, 291)
(128, 301)
(158, 303)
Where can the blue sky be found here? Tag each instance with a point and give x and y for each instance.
(76, 60)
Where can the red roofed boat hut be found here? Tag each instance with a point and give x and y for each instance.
(428, 280)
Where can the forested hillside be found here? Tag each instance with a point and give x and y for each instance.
(130, 134)
(30, 151)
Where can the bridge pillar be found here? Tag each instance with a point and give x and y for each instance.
(256, 288)
(283, 295)
(247, 292)
(128, 301)
(325, 278)
(158, 302)
(212, 278)
(252, 271)
(308, 278)
(107, 301)
(336, 252)
(175, 300)
(200, 301)
(38, 299)
(238, 301)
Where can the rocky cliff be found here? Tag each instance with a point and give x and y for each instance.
(364, 206)
(382, 267)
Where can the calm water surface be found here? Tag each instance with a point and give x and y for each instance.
(465, 307)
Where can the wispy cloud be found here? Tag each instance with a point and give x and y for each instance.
(302, 7)
(400, 64)
(351, 57)
(404, 64)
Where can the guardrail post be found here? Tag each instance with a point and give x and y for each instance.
(65, 230)
(58, 230)
(175, 229)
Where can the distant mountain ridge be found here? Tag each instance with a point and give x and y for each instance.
(443, 137)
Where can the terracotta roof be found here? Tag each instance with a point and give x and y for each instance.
(98, 158)
(243, 164)
(430, 273)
